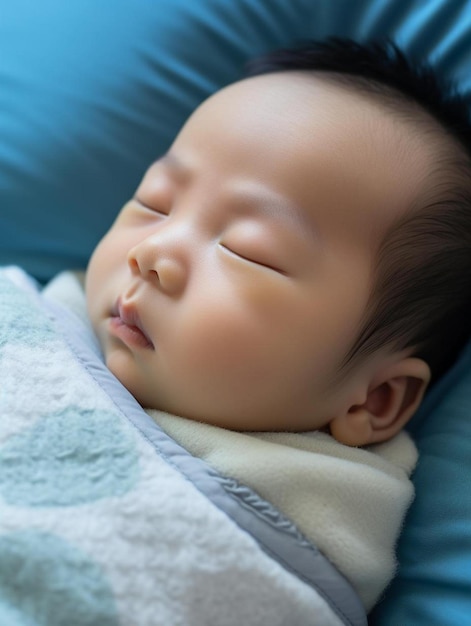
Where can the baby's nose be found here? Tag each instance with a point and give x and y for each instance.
(164, 268)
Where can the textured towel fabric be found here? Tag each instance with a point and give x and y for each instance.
(98, 524)
(348, 502)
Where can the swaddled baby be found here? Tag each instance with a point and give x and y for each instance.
(287, 280)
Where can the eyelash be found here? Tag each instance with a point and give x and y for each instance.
(150, 208)
(254, 261)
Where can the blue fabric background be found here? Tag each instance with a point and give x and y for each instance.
(92, 92)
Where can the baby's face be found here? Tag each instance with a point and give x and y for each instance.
(231, 286)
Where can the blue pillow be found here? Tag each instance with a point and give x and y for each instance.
(433, 586)
(92, 92)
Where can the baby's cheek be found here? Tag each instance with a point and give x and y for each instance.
(233, 327)
(214, 343)
(218, 341)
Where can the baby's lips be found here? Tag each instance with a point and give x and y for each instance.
(129, 315)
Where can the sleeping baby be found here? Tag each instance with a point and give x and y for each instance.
(288, 279)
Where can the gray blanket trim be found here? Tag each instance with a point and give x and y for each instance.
(275, 534)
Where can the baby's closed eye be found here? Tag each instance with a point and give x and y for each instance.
(254, 243)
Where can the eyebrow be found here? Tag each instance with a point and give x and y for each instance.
(270, 204)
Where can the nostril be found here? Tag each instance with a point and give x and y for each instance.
(154, 276)
(133, 264)
(157, 266)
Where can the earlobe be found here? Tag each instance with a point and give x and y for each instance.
(353, 428)
(393, 396)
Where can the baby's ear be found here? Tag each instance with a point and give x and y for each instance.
(392, 397)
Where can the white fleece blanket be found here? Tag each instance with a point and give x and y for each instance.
(349, 502)
(105, 520)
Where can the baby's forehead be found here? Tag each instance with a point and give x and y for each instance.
(334, 99)
(322, 140)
